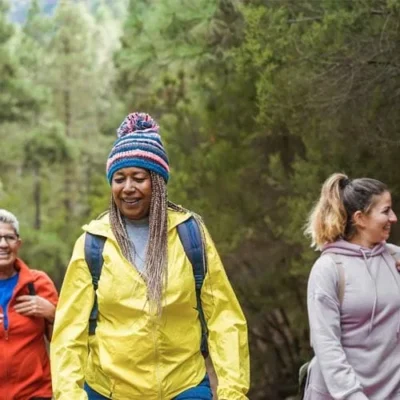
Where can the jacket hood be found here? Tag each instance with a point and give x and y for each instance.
(102, 225)
(353, 250)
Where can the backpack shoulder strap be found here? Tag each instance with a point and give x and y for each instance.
(31, 289)
(340, 269)
(94, 245)
(192, 241)
(393, 251)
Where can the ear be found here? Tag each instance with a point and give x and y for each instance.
(19, 243)
(359, 219)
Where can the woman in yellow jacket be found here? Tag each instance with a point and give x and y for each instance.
(147, 340)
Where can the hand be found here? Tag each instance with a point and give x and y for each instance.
(398, 265)
(35, 306)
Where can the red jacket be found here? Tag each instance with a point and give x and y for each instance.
(24, 362)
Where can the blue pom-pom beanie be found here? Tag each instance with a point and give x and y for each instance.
(138, 145)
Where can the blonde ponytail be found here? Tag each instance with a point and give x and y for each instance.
(327, 221)
(332, 216)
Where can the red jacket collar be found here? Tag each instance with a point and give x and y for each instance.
(25, 274)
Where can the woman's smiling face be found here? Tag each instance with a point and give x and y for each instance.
(378, 222)
(131, 189)
(9, 245)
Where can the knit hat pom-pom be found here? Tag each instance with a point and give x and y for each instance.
(137, 123)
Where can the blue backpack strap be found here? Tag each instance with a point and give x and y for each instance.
(94, 245)
(192, 241)
(31, 289)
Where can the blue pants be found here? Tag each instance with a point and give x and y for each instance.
(200, 392)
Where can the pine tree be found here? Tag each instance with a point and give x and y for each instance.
(14, 95)
(81, 77)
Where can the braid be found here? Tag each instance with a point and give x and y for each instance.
(156, 267)
(155, 271)
(176, 207)
(119, 230)
(156, 264)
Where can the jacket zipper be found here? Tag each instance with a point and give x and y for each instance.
(112, 389)
(157, 360)
(6, 364)
(16, 290)
(6, 335)
(7, 370)
(6, 331)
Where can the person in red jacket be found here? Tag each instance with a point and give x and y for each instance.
(27, 307)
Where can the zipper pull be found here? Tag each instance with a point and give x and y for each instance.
(6, 334)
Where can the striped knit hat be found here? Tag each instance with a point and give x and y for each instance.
(138, 145)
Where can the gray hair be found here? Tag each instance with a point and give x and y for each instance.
(8, 218)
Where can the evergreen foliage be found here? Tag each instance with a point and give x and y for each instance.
(258, 102)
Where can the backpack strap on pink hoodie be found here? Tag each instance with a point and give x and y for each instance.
(340, 269)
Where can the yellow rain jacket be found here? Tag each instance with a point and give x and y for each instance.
(135, 354)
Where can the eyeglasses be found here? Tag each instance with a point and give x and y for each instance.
(10, 239)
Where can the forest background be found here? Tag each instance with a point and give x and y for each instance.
(258, 101)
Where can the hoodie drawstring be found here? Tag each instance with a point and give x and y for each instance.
(381, 249)
(371, 322)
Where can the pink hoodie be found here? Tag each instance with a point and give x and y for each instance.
(356, 343)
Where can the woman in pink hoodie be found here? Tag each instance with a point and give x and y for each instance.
(354, 294)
